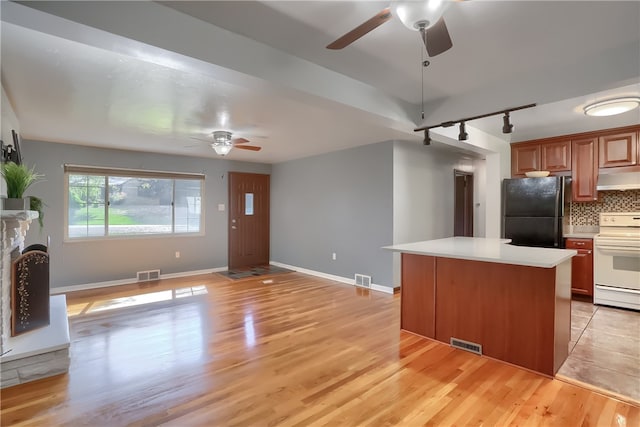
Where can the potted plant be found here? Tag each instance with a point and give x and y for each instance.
(18, 178)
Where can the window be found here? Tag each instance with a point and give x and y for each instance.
(108, 202)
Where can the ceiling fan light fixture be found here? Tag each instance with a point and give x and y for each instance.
(414, 14)
(221, 136)
(221, 149)
(221, 142)
(611, 107)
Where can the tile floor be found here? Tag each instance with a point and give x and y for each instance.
(604, 348)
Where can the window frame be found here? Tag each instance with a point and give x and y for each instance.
(108, 172)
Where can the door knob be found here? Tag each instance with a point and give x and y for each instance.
(233, 227)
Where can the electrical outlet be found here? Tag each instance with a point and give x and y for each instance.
(333, 256)
(177, 254)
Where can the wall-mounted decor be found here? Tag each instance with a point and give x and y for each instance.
(15, 155)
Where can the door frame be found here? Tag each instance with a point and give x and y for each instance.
(466, 210)
(261, 207)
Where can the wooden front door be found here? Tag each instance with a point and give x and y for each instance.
(248, 219)
(463, 209)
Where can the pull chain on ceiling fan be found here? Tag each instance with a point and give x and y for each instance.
(424, 16)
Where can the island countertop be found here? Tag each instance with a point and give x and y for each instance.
(486, 249)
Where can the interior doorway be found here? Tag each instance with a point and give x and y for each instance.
(248, 219)
(463, 205)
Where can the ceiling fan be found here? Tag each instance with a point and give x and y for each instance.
(222, 142)
(423, 16)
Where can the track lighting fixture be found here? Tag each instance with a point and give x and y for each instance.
(427, 138)
(506, 127)
(463, 135)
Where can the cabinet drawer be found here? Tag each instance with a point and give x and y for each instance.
(579, 244)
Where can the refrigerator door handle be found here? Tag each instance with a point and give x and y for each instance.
(556, 238)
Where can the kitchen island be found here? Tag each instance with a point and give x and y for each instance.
(511, 303)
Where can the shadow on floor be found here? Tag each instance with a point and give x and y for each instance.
(262, 270)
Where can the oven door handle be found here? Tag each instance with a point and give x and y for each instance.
(619, 249)
(611, 288)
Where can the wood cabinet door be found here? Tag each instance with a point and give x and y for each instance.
(618, 150)
(581, 266)
(525, 158)
(556, 156)
(417, 295)
(584, 169)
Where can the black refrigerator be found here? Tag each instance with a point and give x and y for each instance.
(533, 210)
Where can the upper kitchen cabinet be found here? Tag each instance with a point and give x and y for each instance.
(524, 158)
(619, 149)
(584, 169)
(547, 155)
(556, 156)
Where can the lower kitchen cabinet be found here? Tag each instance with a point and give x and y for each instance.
(581, 266)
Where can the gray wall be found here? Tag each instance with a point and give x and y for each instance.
(338, 202)
(74, 263)
(423, 193)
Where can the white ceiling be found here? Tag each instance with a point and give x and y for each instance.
(149, 77)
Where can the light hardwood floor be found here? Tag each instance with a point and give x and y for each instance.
(300, 351)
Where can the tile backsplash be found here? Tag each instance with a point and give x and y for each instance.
(588, 213)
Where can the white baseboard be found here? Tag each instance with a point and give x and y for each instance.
(346, 280)
(110, 283)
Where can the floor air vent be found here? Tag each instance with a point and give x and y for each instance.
(363, 281)
(144, 276)
(466, 345)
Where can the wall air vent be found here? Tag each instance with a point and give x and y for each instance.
(363, 281)
(466, 345)
(145, 276)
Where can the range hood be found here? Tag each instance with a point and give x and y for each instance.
(619, 181)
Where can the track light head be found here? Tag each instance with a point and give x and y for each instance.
(507, 127)
(463, 135)
(427, 138)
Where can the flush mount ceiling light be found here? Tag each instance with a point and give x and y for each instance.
(612, 107)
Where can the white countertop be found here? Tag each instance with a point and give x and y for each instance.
(488, 250)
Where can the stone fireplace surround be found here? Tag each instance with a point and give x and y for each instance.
(40, 353)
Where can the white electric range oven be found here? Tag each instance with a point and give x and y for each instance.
(616, 260)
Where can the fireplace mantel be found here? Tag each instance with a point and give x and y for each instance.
(13, 229)
(35, 354)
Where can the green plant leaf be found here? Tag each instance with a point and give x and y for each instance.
(18, 179)
(36, 204)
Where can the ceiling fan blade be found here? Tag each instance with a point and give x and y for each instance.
(436, 38)
(353, 35)
(248, 147)
(209, 141)
(239, 141)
